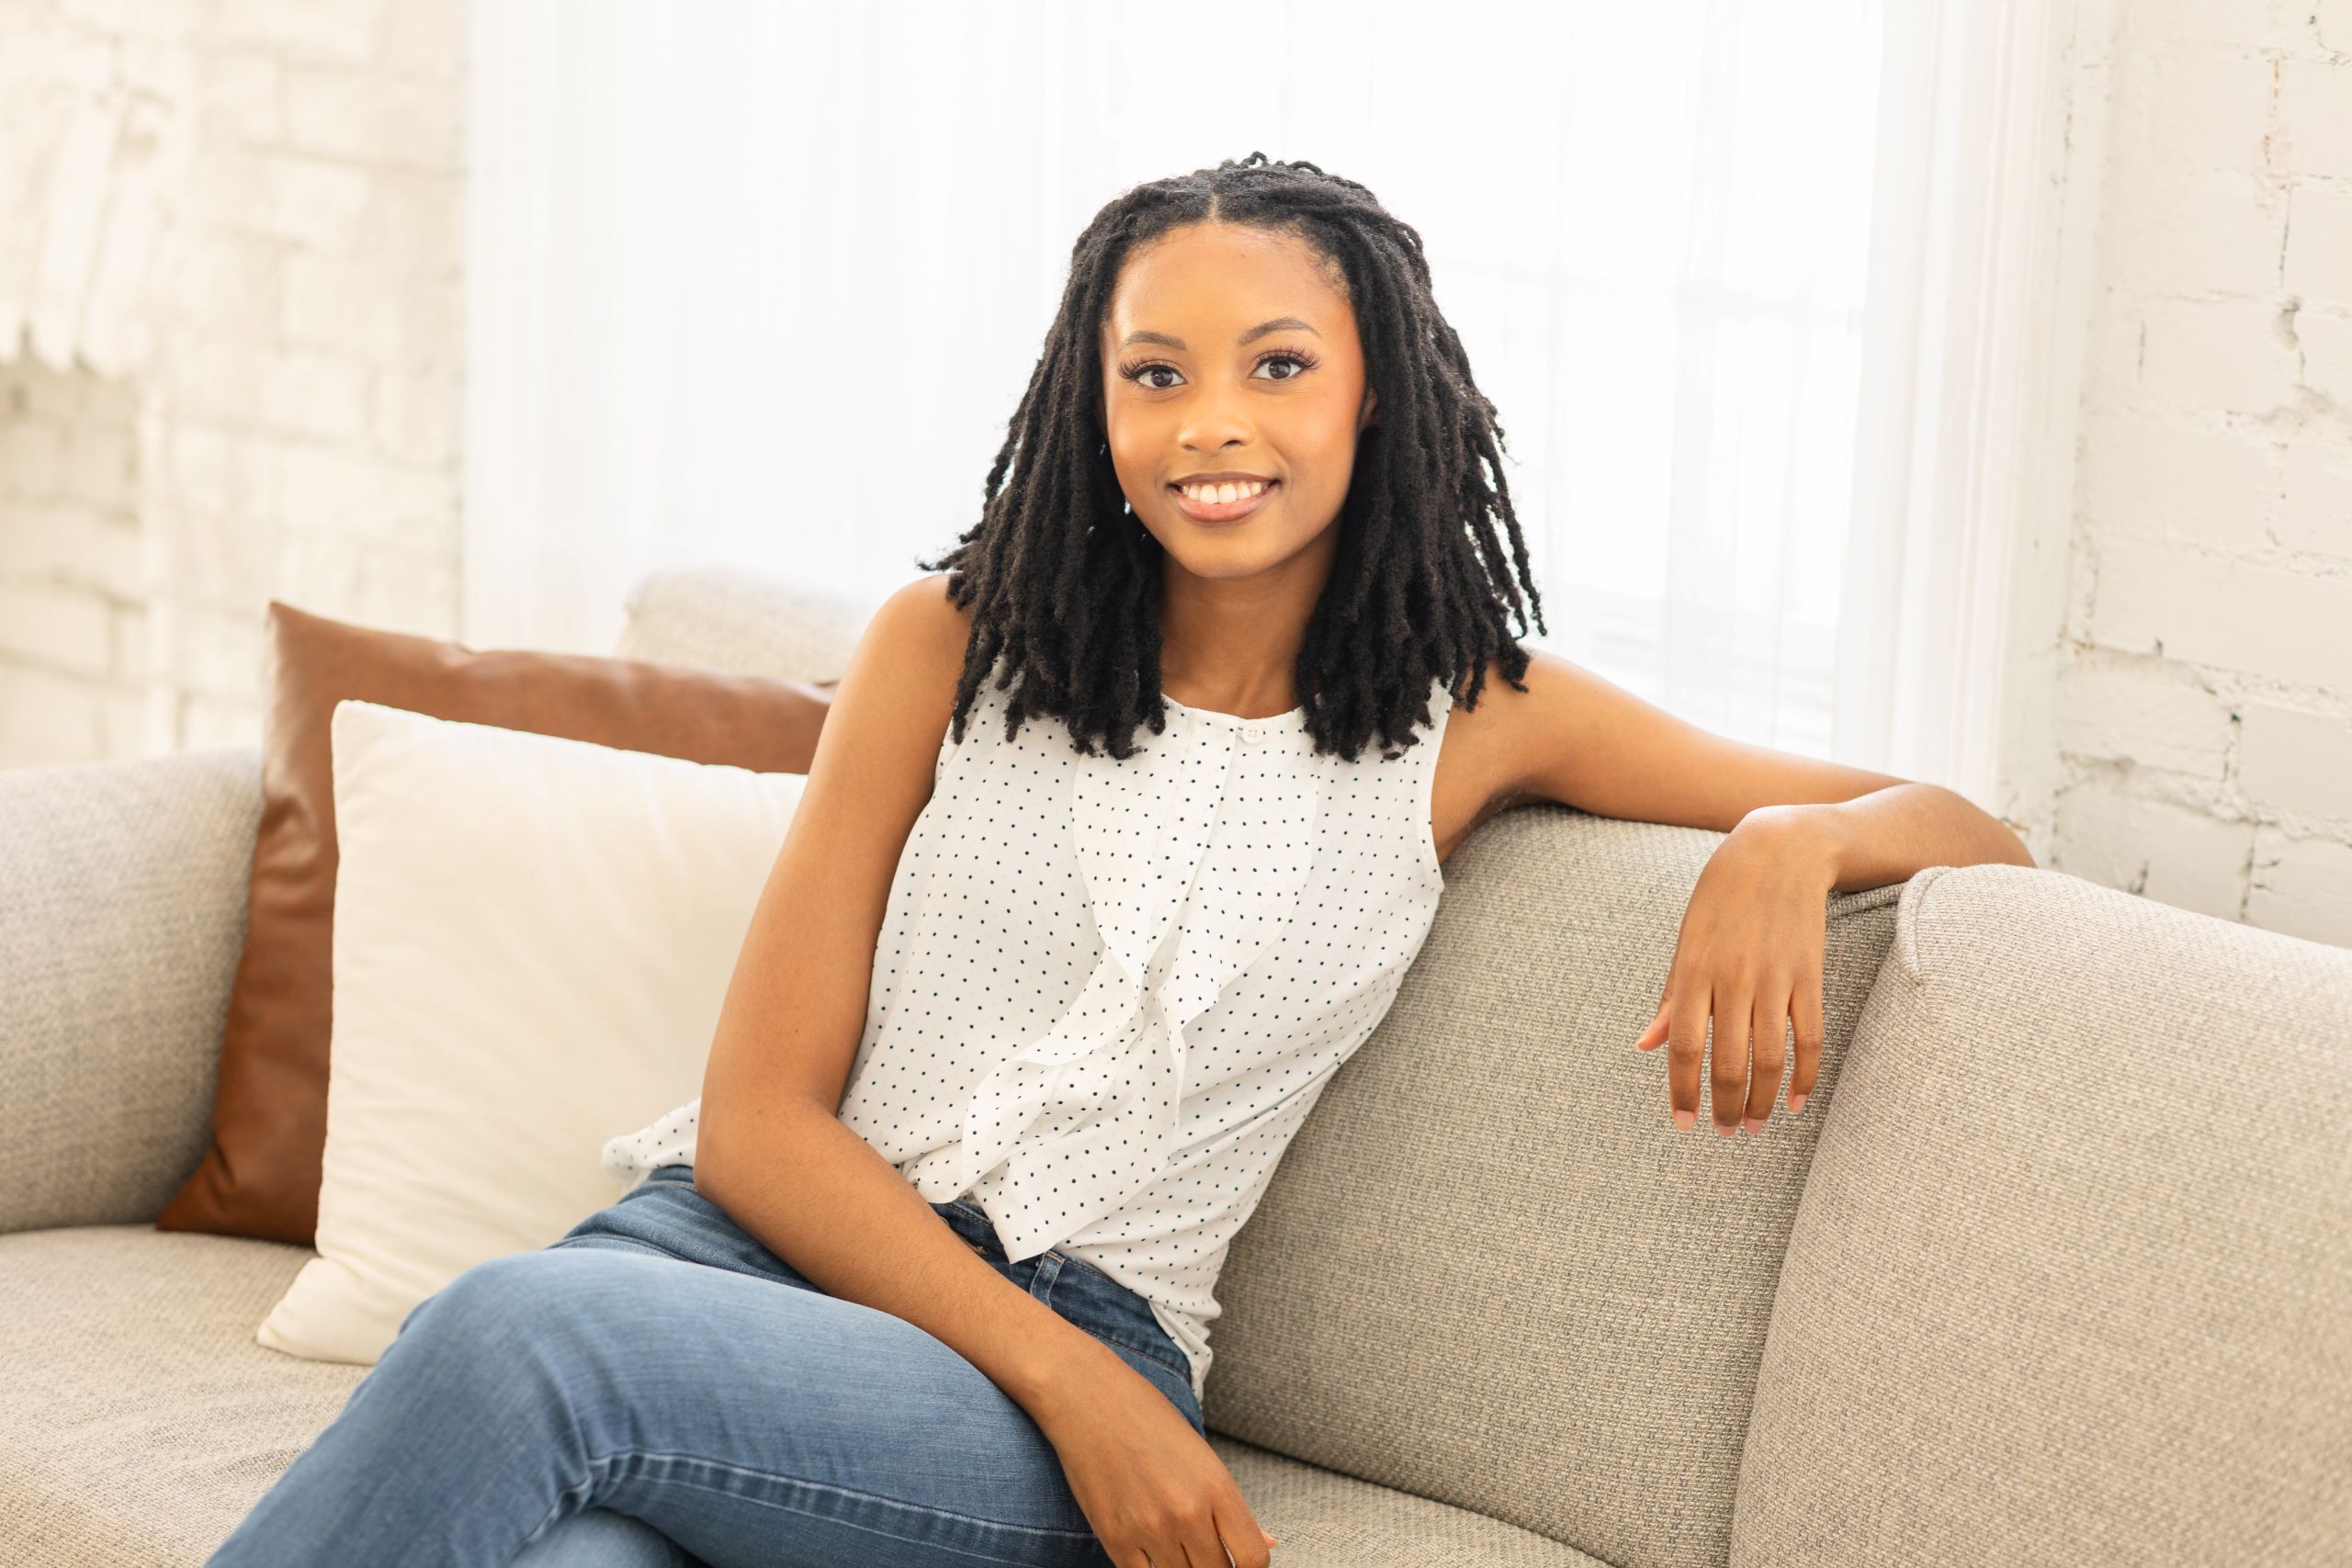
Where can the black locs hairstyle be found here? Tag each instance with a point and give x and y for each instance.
(1065, 585)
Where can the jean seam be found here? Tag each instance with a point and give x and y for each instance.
(585, 1487)
(641, 1460)
(1082, 1263)
(969, 1212)
(1184, 1372)
(1054, 1259)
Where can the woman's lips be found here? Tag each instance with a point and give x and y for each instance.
(1229, 512)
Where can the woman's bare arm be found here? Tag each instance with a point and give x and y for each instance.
(770, 1148)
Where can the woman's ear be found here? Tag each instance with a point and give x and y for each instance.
(1371, 410)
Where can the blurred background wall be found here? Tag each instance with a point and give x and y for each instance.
(230, 330)
(232, 365)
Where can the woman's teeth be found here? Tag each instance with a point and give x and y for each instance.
(1220, 495)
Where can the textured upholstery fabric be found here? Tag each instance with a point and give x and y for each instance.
(139, 1420)
(726, 619)
(1328, 1520)
(2077, 1249)
(122, 908)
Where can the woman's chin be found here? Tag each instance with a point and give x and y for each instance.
(1228, 558)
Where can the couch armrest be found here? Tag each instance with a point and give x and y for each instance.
(122, 912)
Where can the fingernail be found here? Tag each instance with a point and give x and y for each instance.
(1753, 1125)
(1728, 1129)
(1797, 1103)
(1685, 1120)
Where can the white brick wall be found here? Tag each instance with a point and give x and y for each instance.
(73, 568)
(232, 252)
(2205, 715)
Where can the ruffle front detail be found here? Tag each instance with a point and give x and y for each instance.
(1213, 814)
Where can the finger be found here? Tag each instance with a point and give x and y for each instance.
(1200, 1547)
(1654, 1036)
(1728, 1068)
(1806, 1013)
(1767, 1053)
(1686, 1052)
(1245, 1543)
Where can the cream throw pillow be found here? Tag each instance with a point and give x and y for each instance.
(532, 940)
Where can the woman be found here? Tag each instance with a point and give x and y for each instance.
(1028, 1012)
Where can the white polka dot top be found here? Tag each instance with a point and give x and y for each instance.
(1107, 993)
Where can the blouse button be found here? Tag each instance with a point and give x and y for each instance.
(1248, 732)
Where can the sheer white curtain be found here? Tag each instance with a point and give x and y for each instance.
(762, 283)
(1956, 553)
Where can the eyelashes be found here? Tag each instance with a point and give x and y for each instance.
(1134, 370)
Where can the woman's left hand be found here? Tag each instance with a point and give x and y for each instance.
(1751, 956)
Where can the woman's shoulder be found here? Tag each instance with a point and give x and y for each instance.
(1475, 774)
(922, 621)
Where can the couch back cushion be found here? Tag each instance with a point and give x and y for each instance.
(1489, 1270)
(725, 617)
(2071, 1281)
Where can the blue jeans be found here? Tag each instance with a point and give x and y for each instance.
(658, 1390)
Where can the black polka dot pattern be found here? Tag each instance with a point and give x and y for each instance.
(1107, 993)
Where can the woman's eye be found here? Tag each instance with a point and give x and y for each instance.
(1140, 374)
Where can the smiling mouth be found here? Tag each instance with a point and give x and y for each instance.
(1223, 511)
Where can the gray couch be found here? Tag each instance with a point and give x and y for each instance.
(2056, 1266)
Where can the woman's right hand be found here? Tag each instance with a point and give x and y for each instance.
(1155, 1492)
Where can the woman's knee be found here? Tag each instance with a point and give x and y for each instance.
(599, 1538)
(488, 1293)
(512, 1305)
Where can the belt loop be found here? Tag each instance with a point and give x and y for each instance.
(1049, 1269)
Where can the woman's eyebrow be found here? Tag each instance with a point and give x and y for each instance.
(1278, 324)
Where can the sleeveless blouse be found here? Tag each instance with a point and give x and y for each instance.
(1106, 994)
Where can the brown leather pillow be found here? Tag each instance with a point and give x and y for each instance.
(261, 1175)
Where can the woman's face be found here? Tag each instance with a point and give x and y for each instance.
(1196, 381)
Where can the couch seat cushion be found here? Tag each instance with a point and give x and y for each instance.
(139, 1420)
(1324, 1519)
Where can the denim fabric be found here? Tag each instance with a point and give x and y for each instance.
(603, 1403)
